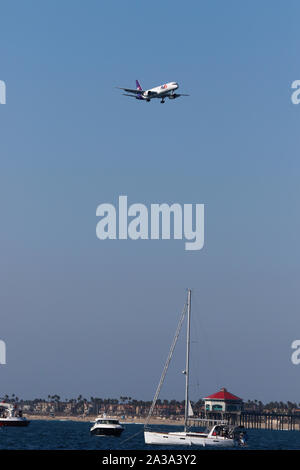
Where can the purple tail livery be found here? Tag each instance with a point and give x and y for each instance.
(138, 86)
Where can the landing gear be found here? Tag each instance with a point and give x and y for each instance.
(162, 101)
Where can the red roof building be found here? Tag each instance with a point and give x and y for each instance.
(223, 401)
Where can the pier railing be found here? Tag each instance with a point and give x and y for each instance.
(250, 420)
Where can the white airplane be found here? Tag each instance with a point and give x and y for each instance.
(163, 91)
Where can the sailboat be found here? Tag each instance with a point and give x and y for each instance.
(220, 434)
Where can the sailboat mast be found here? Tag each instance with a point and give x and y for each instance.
(187, 366)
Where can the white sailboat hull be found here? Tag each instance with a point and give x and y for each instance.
(169, 439)
(187, 439)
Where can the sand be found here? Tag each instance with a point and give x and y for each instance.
(129, 420)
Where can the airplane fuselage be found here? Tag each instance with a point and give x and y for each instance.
(160, 91)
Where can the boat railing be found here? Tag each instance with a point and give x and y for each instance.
(209, 420)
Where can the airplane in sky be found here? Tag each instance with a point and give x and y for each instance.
(163, 91)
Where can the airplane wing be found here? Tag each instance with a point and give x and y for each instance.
(137, 92)
(131, 90)
(172, 96)
(180, 94)
(126, 94)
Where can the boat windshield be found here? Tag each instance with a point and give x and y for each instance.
(221, 431)
(107, 421)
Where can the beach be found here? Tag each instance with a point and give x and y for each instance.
(129, 420)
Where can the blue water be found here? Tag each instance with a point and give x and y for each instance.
(76, 435)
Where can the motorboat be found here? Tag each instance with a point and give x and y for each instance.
(107, 426)
(10, 416)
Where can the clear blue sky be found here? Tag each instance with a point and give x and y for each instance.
(83, 316)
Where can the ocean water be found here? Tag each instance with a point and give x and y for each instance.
(55, 435)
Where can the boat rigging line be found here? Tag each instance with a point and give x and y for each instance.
(163, 375)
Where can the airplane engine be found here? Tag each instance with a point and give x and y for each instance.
(173, 96)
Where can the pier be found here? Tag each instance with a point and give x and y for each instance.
(251, 420)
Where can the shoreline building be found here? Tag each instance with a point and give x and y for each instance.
(223, 401)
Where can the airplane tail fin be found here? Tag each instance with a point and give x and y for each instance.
(138, 86)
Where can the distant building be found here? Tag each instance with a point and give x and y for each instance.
(223, 401)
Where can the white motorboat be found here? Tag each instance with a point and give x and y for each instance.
(219, 435)
(9, 416)
(107, 426)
